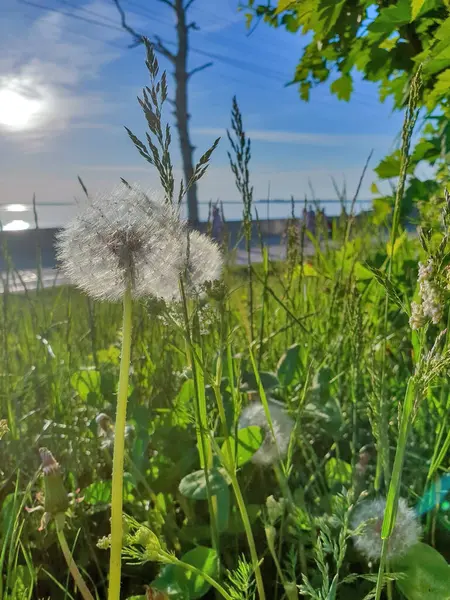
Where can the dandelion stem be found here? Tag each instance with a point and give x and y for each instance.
(78, 578)
(118, 458)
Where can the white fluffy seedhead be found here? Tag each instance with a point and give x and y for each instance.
(276, 444)
(406, 532)
(131, 238)
(203, 261)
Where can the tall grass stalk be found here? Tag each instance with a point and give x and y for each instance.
(411, 114)
(241, 147)
(201, 422)
(115, 564)
(394, 479)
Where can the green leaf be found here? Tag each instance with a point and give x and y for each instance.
(328, 12)
(167, 582)
(391, 18)
(236, 526)
(361, 272)
(427, 574)
(98, 492)
(381, 209)
(269, 381)
(86, 382)
(338, 471)
(283, 5)
(342, 87)
(244, 447)
(417, 7)
(389, 166)
(204, 559)
(288, 365)
(194, 485)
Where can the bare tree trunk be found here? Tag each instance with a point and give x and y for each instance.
(182, 76)
(181, 110)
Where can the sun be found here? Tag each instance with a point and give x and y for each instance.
(16, 111)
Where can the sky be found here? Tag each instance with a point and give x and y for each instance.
(69, 84)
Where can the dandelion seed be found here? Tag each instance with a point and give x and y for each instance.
(276, 444)
(123, 239)
(131, 239)
(405, 534)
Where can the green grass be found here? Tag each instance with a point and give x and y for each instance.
(320, 349)
(326, 341)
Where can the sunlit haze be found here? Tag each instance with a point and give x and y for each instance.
(15, 208)
(16, 111)
(16, 225)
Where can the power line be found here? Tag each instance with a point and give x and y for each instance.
(237, 63)
(74, 32)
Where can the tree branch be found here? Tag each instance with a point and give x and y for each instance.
(198, 69)
(188, 5)
(139, 38)
(168, 3)
(159, 47)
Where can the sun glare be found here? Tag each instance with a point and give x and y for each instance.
(16, 208)
(16, 225)
(16, 111)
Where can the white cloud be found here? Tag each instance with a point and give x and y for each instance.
(50, 64)
(295, 137)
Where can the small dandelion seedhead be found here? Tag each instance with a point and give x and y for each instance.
(203, 262)
(369, 515)
(275, 444)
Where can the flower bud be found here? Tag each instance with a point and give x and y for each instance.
(271, 534)
(55, 496)
(146, 538)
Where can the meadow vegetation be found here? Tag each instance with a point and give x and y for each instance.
(287, 425)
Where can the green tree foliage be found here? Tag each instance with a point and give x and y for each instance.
(385, 41)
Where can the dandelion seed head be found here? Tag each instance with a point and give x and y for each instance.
(126, 238)
(203, 261)
(406, 531)
(274, 446)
